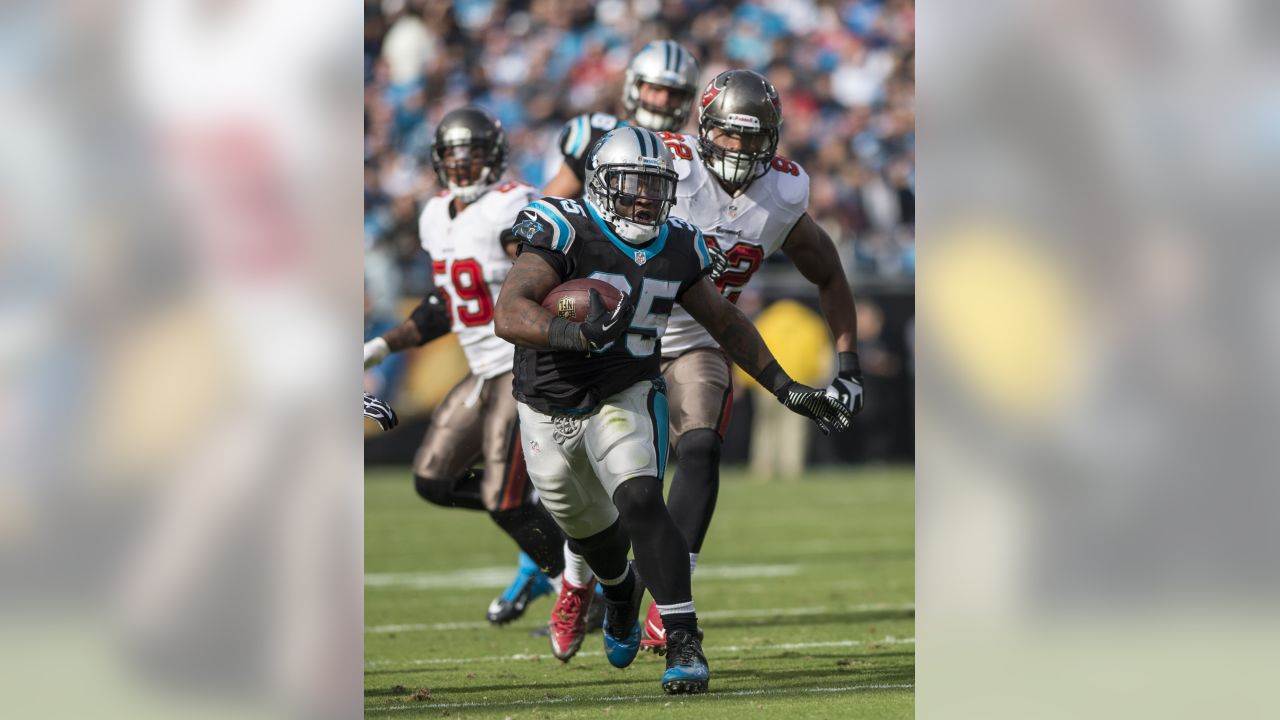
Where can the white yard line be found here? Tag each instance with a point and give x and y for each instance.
(500, 577)
(711, 651)
(643, 698)
(708, 615)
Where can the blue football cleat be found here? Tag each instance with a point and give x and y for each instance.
(686, 665)
(529, 584)
(622, 627)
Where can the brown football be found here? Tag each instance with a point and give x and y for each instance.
(570, 301)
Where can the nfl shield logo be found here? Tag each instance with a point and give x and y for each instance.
(565, 307)
(641, 258)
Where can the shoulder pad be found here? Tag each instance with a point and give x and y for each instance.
(542, 224)
(791, 185)
(686, 166)
(605, 121)
(508, 197)
(575, 137)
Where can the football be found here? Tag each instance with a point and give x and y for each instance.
(571, 302)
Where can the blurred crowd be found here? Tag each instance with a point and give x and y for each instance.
(844, 68)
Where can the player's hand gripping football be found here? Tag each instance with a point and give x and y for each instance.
(380, 412)
(827, 412)
(603, 326)
(847, 387)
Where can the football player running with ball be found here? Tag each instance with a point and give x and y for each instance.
(750, 202)
(658, 92)
(463, 228)
(592, 402)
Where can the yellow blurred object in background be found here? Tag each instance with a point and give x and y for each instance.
(1007, 319)
(798, 338)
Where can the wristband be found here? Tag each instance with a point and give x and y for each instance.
(565, 335)
(773, 377)
(376, 349)
(848, 363)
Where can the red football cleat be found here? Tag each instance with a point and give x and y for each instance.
(654, 636)
(568, 626)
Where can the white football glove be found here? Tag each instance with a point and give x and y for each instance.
(847, 387)
(848, 392)
(375, 351)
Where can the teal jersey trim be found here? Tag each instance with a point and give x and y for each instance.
(663, 418)
(704, 257)
(650, 252)
(565, 238)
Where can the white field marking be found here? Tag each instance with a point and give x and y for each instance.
(711, 651)
(500, 577)
(641, 698)
(709, 615)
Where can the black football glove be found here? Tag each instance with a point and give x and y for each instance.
(603, 326)
(812, 403)
(816, 405)
(719, 262)
(847, 387)
(380, 412)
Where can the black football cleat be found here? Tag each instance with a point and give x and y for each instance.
(687, 671)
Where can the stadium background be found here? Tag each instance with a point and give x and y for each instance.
(845, 72)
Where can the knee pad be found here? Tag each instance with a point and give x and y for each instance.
(700, 443)
(639, 499)
(612, 539)
(436, 492)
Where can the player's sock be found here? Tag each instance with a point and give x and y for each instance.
(537, 534)
(662, 557)
(605, 552)
(695, 485)
(620, 589)
(459, 492)
(576, 571)
(679, 616)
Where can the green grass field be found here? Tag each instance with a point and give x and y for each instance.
(805, 591)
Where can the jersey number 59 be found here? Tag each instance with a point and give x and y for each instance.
(475, 304)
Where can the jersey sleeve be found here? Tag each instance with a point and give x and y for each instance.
(541, 228)
(700, 259)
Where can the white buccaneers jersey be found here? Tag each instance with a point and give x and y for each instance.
(748, 228)
(469, 265)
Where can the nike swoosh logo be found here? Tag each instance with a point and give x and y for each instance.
(610, 325)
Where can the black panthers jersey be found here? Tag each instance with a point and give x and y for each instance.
(579, 135)
(575, 241)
